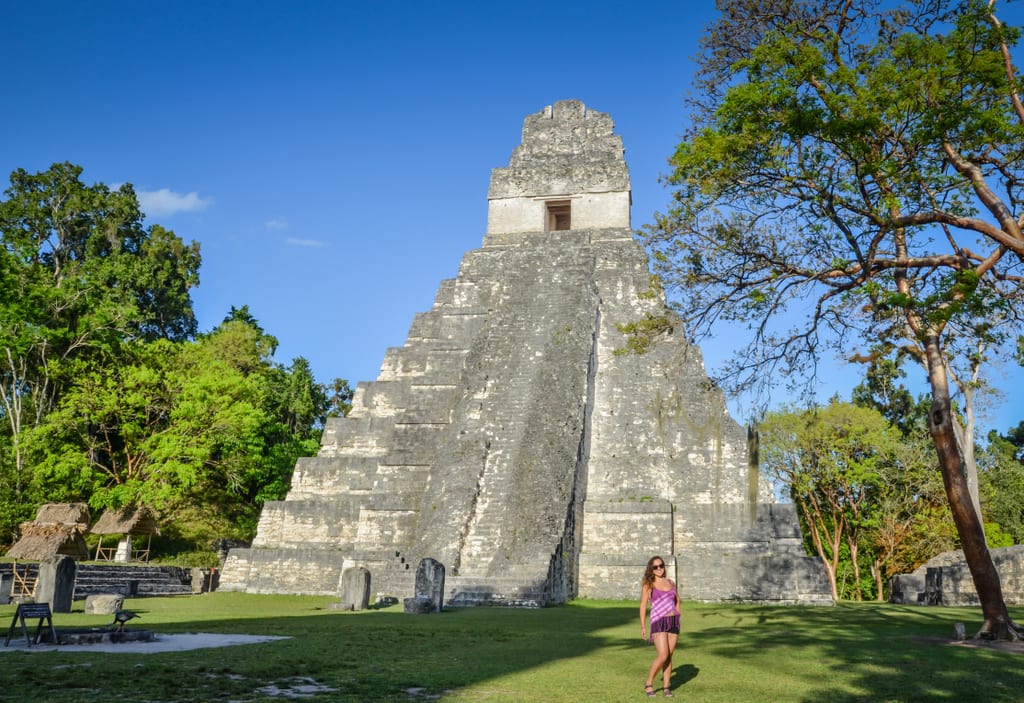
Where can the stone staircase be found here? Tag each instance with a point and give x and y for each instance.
(132, 581)
(518, 587)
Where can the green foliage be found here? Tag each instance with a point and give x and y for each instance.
(869, 499)
(1002, 482)
(997, 537)
(654, 290)
(815, 182)
(106, 393)
(200, 559)
(882, 390)
(339, 398)
(81, 277)
(204, 432)
(640, 335)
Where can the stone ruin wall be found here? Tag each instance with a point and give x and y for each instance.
(511, 440)
(946, 580)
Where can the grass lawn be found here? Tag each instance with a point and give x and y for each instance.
(585, 651)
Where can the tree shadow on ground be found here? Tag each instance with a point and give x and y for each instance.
(370, 655)
(588, 651)
(862, 652)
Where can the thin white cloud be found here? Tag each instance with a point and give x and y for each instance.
(159, 203)
(304, 242)
(276, 223)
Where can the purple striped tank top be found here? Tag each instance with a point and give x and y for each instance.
(663, 603)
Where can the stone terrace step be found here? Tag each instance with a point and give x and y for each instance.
(132, 581)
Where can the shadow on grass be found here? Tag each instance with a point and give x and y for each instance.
(859, 652)
(684, 674)
(587, 650)
(370, 655)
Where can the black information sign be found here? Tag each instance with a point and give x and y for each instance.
(30, 611)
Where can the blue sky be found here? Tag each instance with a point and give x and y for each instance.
(332, 158)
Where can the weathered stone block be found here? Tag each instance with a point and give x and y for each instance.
(355, 588)
(946, 579)
(6, 583)
(103, 603)
(56, 583)
(418, 605)
(429, 587)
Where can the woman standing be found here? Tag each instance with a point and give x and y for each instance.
(660, 592)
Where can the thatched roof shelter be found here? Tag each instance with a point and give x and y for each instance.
(129, 521)
(41, 541)
(76, 513)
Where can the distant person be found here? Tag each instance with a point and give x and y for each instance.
(661, 593)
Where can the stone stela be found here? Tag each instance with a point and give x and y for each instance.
(513, 442)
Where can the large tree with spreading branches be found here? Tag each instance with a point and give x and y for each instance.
(852, 181)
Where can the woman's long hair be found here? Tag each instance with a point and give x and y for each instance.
(649, 571)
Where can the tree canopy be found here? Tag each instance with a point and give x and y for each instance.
(1002, 486)
(870, 501)
(107, 393)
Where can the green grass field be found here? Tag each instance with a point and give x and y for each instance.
(585, 651)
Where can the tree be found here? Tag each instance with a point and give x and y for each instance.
(203, 431)
(110, 440)
(882, 390)
(856, 173)
(106, 393)
(339, 398)
(1003, 481)
(80, 275)
(249, 419)
(830, 460)
(909, 522)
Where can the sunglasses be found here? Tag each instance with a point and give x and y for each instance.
(657, 566)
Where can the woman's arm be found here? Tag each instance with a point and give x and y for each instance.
(645, 597)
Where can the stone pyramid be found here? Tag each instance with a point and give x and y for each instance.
(516, 440)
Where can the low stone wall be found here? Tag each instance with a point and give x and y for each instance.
(946, 580)
(314, 572)
(131, 580)
(721, 552)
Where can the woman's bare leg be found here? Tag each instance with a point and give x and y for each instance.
(670, 648)
(661, 644)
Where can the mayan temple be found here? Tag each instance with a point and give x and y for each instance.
(514, 440)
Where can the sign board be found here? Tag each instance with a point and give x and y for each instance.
(32, 611)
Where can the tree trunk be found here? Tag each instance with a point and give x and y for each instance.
(997, 623)
(852, 542)
(876, 574)
(965, 430)
(819, 547)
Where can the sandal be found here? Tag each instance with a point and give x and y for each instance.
(667, 692)
(649, 690)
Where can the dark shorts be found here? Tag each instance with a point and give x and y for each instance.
(668, 624)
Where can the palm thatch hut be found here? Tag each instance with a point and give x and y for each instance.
(64, 512)
(128, 523)
(40, 541)
(57, 529)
